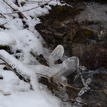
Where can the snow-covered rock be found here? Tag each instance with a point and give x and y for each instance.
(6, 39)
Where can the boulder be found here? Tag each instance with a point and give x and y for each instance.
(87, 43)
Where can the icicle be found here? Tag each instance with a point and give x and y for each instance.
(71, 64)
(56, 54)
(68, 67)
(86, 87)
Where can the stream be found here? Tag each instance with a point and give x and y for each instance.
(82, 31)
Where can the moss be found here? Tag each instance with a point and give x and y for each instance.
(33, 54)
(5, 47)
(89, 34)
(83, 35)
(65, 11)
(58, 8)
(23, 3)
(2, 46)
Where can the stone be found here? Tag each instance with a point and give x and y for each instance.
(95, 56)
(88, 44)
(77, 1)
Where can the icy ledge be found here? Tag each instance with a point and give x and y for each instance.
(38, 97)
(21, 68)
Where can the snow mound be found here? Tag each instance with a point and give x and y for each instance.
(27, 41)
(93, 12)
(6, 39)
(19, 19)
(29, 99)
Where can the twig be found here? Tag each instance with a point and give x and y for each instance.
(5, 94)
(43, 75)
(14, 70)
(58, 81)
(35, 2)
(20, 13)
(5, 64)
(2, 15)
(28, 9)
(1, 91)
(3, 24)
(44, 19)
(65, 84)
(9, 5)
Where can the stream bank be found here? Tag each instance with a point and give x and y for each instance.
(80, 35)
(82, 31)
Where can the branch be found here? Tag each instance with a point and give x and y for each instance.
(28, 9)
(9, 5)
(21, 14)
(5, 64)
(2, 15)
(6, 94)
(15, 71)
(65, 84)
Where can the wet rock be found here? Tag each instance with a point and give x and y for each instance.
(54, 27)
(95, 56)
(87, 43)
(58, 11)
(53, 35)
(84, 36)
(78, 49)
(77, 1)
(78, 39)
(95, 96)
(90, 48)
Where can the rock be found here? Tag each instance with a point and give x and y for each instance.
(95, 56)
(96, 96)
(77, 1)
(77, 38)
(98, 83)
(7, 39)
(54, 27)
(78, 49)
(58, 11)
(88, 44)
(90, 48)
(53, 35)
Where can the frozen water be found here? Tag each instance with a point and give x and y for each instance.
(21, 36)
(6, 40)
(56, 54)
(94, 12)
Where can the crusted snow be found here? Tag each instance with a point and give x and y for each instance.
(14, 92)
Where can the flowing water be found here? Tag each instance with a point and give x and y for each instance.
(93, 16)
(88, 87)
(93, 12)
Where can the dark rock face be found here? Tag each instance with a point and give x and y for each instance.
(95, 97)
(101, 1)
(95, 56)
(53, 35)
(89, 45)
(55, 27)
